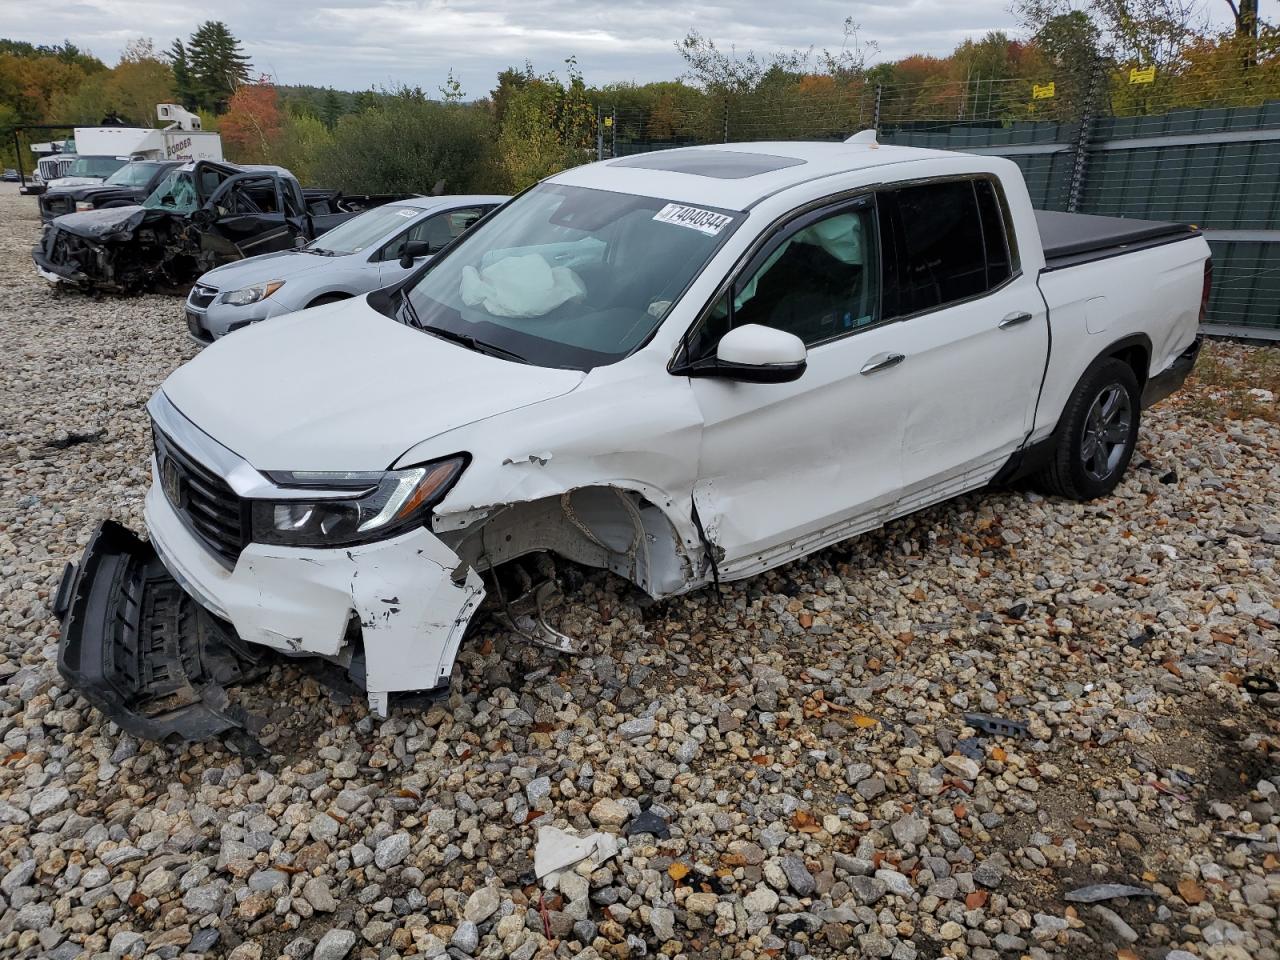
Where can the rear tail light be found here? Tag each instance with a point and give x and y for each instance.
(1207, 289)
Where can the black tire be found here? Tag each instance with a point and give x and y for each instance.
(1097, 433)
(326, 299)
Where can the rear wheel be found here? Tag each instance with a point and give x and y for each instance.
(1097, 435)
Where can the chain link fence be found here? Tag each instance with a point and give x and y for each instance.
(1128, 143)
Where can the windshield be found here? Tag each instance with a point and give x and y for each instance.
(95, 166)
(366, 230)
(133, 175)
(176, 193)
(568, 276)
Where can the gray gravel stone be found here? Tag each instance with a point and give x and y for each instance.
(392, 851)
(466, 937)
(334, 945)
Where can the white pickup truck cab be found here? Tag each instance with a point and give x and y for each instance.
(684, 367)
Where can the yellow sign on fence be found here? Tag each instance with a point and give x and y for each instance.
(1142, 74)
(1045, 92)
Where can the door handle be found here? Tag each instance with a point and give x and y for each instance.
(1014, 319)
(882, 362)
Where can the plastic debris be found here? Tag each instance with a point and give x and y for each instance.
(1107, 891)
(558, 849)
(994, 726)
(649, 822)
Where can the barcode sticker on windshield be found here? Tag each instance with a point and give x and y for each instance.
(695, 218)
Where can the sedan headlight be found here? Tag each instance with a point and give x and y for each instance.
(247, 295)
(379, 506)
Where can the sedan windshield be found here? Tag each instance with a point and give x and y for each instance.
(368, 229)
(95, 166)
(567, 276)
(133, 175)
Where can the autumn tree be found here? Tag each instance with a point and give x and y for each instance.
(251, 127)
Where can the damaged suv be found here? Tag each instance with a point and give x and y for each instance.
(200, 216)
(683, 367)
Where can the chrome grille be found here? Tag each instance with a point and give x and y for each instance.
(201, 296)
(211, 510)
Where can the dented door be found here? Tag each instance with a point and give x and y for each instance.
(788, 467)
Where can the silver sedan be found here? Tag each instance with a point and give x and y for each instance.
(373, 250)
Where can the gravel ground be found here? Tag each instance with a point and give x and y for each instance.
(789, 766)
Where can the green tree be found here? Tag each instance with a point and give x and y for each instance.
(331, 109)
(451, 90)
(404, 143)
(215, 64)
(183, 85)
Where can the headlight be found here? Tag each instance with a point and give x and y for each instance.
(380, 505)
(247, 295)
(83, 205)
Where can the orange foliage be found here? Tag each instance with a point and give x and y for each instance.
(252, 125)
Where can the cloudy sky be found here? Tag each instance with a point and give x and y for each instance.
(354, 45)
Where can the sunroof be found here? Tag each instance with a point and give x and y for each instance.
(720, 164)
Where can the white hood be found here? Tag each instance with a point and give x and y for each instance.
(344, 387)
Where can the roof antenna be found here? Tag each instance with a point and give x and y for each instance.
(864, 138)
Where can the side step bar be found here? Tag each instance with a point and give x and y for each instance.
(142, 651)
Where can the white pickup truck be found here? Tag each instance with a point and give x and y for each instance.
(684, 367)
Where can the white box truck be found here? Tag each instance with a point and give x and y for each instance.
(100, 151)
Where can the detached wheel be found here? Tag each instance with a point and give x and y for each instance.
(1098, 433)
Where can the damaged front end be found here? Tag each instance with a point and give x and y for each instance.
(142, 651)
(119, 250)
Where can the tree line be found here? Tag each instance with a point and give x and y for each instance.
(533, 123)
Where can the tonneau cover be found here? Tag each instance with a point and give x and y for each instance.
(1071, 238)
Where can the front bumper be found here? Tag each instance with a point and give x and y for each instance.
(141, 650)
(207, 324)
(56, 273)
(1170, 380)
(408, 596)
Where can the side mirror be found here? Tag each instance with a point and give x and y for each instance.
(412, 250)
(754, 353)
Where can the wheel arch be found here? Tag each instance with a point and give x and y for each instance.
(622, 527)
(329, 296)
(1134, 350)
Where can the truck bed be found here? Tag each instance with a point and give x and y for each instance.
(1074, 238)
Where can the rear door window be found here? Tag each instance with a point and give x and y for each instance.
(941, 252)
(995, 236)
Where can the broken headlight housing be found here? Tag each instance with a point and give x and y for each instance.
(247, 295)
(380, 505)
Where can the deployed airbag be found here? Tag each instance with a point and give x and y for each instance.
(524, 286)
